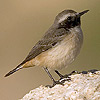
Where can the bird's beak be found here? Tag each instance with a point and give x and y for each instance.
(82, 13)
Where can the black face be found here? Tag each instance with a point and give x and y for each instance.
(70, 22)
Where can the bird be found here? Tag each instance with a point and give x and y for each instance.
(58, 47)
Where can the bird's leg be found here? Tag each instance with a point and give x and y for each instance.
(65, 77)
(73, 72)
(47, 71)
(54, 82)
(59, 74)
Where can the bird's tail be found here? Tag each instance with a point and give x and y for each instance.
(14, 70)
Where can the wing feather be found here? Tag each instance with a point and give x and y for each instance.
(49, 40)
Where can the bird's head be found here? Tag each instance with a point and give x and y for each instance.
(69, 18)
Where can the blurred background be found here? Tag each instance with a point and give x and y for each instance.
(23, 22)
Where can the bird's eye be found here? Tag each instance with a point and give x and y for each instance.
(69, 18)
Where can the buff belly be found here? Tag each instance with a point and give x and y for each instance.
(63, 54)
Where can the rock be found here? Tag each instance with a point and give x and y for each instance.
(81, 87)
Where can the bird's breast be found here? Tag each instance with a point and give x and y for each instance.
(64, 53)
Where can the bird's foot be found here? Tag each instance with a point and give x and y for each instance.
(72, 73)
(59, 74)
(62, 79)
(66, 77)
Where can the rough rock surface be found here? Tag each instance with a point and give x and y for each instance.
(83, 86)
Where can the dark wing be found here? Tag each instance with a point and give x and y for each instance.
(49, 40)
